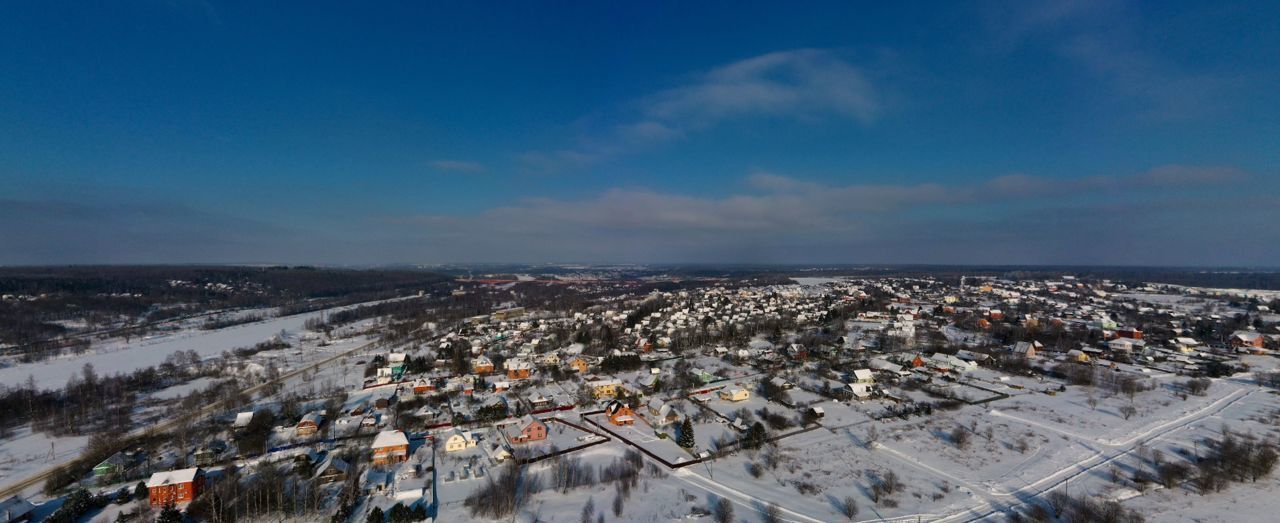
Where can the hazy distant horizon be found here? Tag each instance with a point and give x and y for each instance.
(1076, 133)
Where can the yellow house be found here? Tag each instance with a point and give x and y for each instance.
(735, 394)
(1077, 355)
(459, 440)
(604, 388)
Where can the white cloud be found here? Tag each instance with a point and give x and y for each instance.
(805, 83)
(802, 85)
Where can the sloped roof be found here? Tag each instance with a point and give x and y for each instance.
(390, 438)
(173, 477)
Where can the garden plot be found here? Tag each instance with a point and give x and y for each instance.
(802, 398)
(644, 436)
(730, 410)
(972, 446)
(817, 470)
(560, 436)
(1070, 412)
(843, 414)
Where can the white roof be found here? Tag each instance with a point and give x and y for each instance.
(390, 438)
(243, 419)
(173, 477)
(862, 374)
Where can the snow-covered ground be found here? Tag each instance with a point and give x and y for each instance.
(26, 453)
(116, 356)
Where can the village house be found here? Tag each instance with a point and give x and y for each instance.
(423, 386)
(519, 370)
(1026, 349)
(619, 413)
(114, 466)
(660, 413)
(16, 509)
(390, 446)
(332, 470)
(1249, 339)
(604, 388)
(864, 376)
(735, 394)
(527, 429)
(459, 440)
(309, 425)
(579, 365)
(481, 365)
(175, 486)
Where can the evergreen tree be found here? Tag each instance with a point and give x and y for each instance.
(375, 516)
(169, 515)
(756, 436)
(686, 434)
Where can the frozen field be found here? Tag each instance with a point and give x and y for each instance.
(115, 356)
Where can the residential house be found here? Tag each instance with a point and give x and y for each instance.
(579, 364)
(459, 440)
(660, 413)
(309, 425)
(175, 486)
(16, 509)
(734, 394)
(860, 391)
(864, 376)
(519, 370)
(1027, 349)
(604, 388)
(619, 413)
(423, 386)
(527, 430)
(390, 446)
(114, 466)
(332, 470)
(1248, 339)
(1077, 356)
(481, 365)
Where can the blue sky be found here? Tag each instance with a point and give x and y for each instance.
(1021, 132)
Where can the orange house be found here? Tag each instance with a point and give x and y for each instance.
(1133, 334)
(175, 486)
(518, 369)
(620, 414)
(481, 365)
(579, 365)
(423, 386)
(390, 446)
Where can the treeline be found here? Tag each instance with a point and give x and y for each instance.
(89, 402)
(39, 297)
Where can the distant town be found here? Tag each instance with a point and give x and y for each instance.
(584, 393)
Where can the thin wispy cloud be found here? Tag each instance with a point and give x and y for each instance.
(777, 210)
(1100, 39)
(458, 166)
(808, 85)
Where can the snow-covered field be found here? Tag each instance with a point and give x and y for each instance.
(116, 356)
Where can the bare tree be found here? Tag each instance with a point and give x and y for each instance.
(723, 511)
(849, 507)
